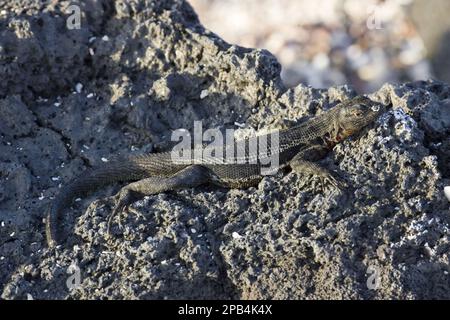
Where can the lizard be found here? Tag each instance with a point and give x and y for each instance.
(299, 147)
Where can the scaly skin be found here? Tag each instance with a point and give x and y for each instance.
(299, 148)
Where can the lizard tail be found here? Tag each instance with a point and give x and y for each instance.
(81, 186)
(52, 215)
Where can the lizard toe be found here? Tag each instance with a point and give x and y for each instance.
(334, 181)
(122, 199)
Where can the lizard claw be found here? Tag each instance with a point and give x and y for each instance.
(330, 179)
(122, 199)
(110, 219)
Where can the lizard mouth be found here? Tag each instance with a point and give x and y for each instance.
(345, 133)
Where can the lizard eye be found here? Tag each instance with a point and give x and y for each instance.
(357, 113)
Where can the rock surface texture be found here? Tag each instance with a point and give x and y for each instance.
(138, 69)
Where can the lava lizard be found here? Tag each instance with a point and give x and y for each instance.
(298, 147)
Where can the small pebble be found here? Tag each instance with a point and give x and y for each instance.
(236, 235)
(104, 160)
(78, 87)
(105, 38)
(447, 192)
(193, 230)
(204, 94)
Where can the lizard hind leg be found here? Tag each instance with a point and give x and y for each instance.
(188, 177)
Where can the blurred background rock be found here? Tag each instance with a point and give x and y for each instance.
(332, 42)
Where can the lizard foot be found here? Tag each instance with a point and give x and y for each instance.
(313, 169)
(122, 200)
(330, 179)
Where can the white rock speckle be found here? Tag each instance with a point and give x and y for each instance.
(204, 94)
(236, 235)
(447, 192)
(78, 87)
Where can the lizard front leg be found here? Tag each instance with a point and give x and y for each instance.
(189, 177)
(303, 163)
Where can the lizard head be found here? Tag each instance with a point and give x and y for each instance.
(355, 114)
